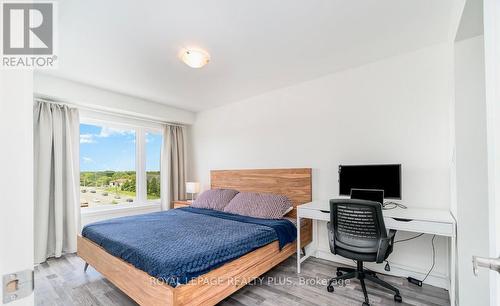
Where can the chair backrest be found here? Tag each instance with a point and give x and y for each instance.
(358, 225)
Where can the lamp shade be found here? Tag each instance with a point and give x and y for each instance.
(192, 187)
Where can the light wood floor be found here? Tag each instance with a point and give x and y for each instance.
(63, 282)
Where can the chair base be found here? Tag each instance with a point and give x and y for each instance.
(362, 274)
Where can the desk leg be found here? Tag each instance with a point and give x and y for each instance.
(298, 243)
(315, 237)
(452, 268)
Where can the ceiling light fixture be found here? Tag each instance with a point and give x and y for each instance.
(195, 58)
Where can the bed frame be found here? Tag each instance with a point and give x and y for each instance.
(214, 286)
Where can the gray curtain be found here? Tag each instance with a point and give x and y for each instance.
(56, 162)
(173, 165)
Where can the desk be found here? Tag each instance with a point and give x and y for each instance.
(419, 220)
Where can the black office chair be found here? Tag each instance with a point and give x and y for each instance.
(357, 231)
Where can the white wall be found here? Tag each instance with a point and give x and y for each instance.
(392, 111)
(471, 169)
(101, 99)
(16, 183)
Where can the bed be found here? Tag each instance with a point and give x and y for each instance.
(229, 270)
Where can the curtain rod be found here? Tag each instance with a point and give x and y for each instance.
(106, 112)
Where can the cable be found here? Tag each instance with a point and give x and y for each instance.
(411, 238)
(392, 205)
(433, 258)
(387, 265)
(433, 255)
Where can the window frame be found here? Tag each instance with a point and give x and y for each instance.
(141, 128)
(144, 162)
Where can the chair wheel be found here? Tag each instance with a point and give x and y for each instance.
(366, 304)
(398, 298)
(339, 273)
(329, 288)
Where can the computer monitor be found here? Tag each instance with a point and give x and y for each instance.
(376, 195)
(385, 177)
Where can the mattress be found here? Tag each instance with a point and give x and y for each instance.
(178, 245)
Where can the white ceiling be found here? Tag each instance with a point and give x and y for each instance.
(132, 46)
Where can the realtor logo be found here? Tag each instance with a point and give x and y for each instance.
(28, 34)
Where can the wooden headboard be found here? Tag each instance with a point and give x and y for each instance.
(295, 183)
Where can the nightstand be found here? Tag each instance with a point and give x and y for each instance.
(178, 204)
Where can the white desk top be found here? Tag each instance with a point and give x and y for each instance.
(421, 214)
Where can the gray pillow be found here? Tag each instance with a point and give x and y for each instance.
(259, 205)
(215, 199)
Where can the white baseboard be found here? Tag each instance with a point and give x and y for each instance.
(434, 279)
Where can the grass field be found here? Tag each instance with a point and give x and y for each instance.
(126, 191)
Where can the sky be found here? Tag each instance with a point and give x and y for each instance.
(105, 148)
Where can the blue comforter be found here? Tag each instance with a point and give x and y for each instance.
(180, 244)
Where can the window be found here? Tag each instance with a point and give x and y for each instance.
(153, 155)
(119, 164)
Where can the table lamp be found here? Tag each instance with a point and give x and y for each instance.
(192, 188)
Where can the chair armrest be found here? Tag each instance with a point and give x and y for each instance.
(391, 235)
(331, 239)
(385, 246)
